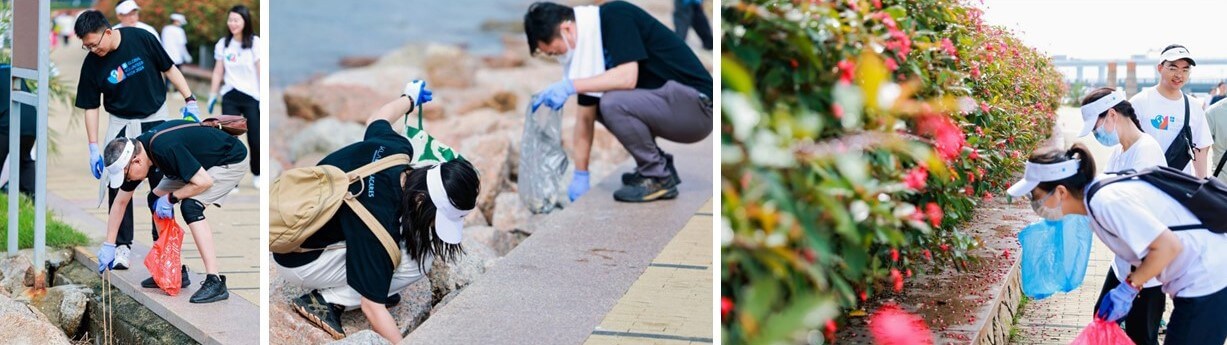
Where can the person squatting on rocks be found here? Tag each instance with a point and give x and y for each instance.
(200, 165)
(238, 56)
(1155, 235)
(1106, 113)
(632, 74)
(422, 209)
(125, 69)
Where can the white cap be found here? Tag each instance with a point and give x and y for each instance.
(1090, 112)
(449, 221)
(1177, 53)
(115, 171)
(1036, 173)
(126, 7)
(179, 17)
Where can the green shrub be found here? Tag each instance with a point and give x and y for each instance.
(856, 138)
(206, 19)
(59, 235)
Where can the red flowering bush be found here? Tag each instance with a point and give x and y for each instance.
(857, 137)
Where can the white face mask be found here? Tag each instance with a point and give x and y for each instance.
(565, 58)
(1049, 213)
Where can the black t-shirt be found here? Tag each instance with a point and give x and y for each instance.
(369, 271)
(180, 153)
(631, 34)
(130, 77)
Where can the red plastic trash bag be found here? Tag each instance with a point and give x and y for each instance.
(1102, 332)
(164, 261)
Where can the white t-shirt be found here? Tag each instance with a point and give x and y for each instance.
(1129, 215)
(240, 66)
(1143, 154)
(174, 41)
(1163, 118)
(142, 25)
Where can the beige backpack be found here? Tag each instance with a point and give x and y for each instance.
(303, 199)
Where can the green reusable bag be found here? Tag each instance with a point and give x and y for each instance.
(426, 150)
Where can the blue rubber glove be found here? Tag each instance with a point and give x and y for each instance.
(163, 208)
(95, 161)
(417, 91)
(106, 256)
(212, 102)
(555, 95)
(1115, 305)
(579, 185)
(191, 111)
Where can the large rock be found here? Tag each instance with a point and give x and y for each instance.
(287, 327)
(449, 67)
(324, 137)
(364, 337)
(489, 155)
(347, 102)
(64, 305)
(510, 213)
(16, 273)
(446, 277)
(386, 81)
(501, 242)
(25, 325)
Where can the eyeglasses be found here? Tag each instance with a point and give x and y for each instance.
(91, 47)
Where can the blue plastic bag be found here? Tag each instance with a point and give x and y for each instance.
(1054, 255)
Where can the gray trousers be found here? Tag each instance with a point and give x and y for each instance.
(675, 112)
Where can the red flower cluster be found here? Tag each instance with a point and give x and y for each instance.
(948, 138)
(847, 70)
(726, 306)
(890, 325)
(915, 178)
(897, 278)
(948, 47)
(894, 255)
(935, 214)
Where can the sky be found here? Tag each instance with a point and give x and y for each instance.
(1113, 29)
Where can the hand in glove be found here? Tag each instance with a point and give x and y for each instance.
(106, 256)
(163, 208)
(212, 102)
(555, 95)
(95, 161)
(416, 90)
(191, 111)
(1115, 305)
(579, 185)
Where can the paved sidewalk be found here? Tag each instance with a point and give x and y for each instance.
(671, 303)
(73, 194)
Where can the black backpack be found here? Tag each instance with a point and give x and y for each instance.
(1205, 198)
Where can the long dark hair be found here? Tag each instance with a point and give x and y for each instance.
(417, 212)
(1076, 182)
(247, 30)
(1124, 108)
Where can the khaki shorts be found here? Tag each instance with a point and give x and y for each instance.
(225, 178)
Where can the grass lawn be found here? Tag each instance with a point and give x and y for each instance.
(59, 235)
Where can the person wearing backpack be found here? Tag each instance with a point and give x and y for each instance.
(1106, 113)
(1138, 218)
(396, 220)
(1216, 116)
(1177, 121)
(199, 166)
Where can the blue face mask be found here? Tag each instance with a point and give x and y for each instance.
(1107, 138)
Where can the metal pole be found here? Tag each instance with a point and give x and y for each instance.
(14, 169)
(40, 168)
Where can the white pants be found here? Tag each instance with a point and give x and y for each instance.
(327, 274)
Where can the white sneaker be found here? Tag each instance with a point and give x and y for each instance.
(255, 182)
(121, 257)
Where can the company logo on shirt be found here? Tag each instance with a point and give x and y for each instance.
(1161, 122)
(125, 70)
(232, 57)
(370, 181)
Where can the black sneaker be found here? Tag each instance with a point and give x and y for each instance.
(212, 289)
(150, 284)
(633, 178)
(648, 189)
(322, 314)
(392, 301)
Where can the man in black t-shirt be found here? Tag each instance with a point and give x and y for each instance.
(201, 165)
(635, 76)
(124, 73)
(422, 210)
